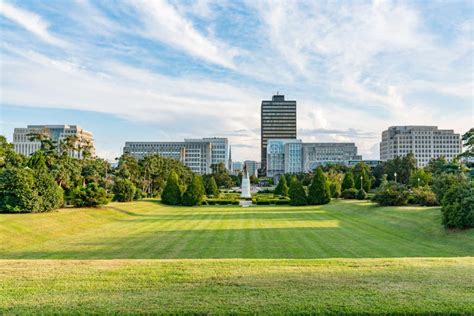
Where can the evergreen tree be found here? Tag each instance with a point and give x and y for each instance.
(50, 193)
(348, 181)
(362, 170)
(194, 192)
(124, 190)
(319, 192)
(282, 187)
(91, 195)
(17, 191)
(297, 193)
(212, 189)
(172, 192)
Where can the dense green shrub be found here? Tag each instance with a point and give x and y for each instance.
(361, 194)
(17, 191)
(281, 188)
(212, 189)
(172, 192)
(458, 206)
(349, 194)
(272, 201)
(348, 181)
(50, 193)
(139, 194)
(221, 202)
(91, 195)
(391, 194)
(319, 192)
(443, 181)
(124, 190)
(297, 193)
(424, 196)
(194, 193)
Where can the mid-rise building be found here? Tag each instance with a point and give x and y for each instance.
(425, 142)
(24, 141)
(198, 154)
(294, 156)
(237, 167)
(278, 121)
(317, 154)
(252, 167)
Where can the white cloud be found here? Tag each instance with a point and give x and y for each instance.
(31, 22)
(164, 23)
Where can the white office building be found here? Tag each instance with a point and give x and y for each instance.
(197, 154)
(24, 143)
(425, 142)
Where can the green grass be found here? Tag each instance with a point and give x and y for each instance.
(348, 256)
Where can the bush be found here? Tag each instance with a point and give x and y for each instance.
(194, 192)
(297, 193)
(319, 192)
(50, 193)
(424, 196)
(391, 194)
(221, 202)
(349, 194)
(282, 187)
(91, 195)
(272, 201)
(172, 192)
(361, 195)
(139, 194)
(442, 182)
(458, 206)
(17, 191)
(124, 190)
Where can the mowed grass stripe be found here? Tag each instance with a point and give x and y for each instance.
(148, 229)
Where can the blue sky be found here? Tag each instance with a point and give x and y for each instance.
(166, 70)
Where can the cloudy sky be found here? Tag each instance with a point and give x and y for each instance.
(165, 70)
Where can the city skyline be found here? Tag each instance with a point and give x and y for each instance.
(133, 72)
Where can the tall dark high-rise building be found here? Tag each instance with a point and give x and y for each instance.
(278, 120)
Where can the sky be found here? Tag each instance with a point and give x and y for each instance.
(168, 70)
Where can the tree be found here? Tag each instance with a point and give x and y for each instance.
(281, 188)
(420, 178)
(220, 174)
(362, 170)
(377, 174)
(194, 192)
(172, 192)
(319, 192)
(403, 167)
(91, 195)
(297, 193)
(335, 188)
(212, 189)
(50, 193)
(442, 182)
(348, 182)
(458, 206)
(17, 191)
(124, 190)
(468, 143)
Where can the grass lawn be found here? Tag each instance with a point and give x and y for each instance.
(348, 256)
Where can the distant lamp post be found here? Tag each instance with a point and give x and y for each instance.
(361, 187)
(395, 175)
(418, 181)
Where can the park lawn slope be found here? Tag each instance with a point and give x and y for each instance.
(150, 230)
(417, 285)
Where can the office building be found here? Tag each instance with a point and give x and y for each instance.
(317, 154)
(252, 167)
(197, 154)
(278, 121)
(237, 167)
(425, 142)
(294, 156)
(24, 144)
(284, 156)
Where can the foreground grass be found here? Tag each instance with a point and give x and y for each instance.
(418, 285)
(220, 259)
(149, 230)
